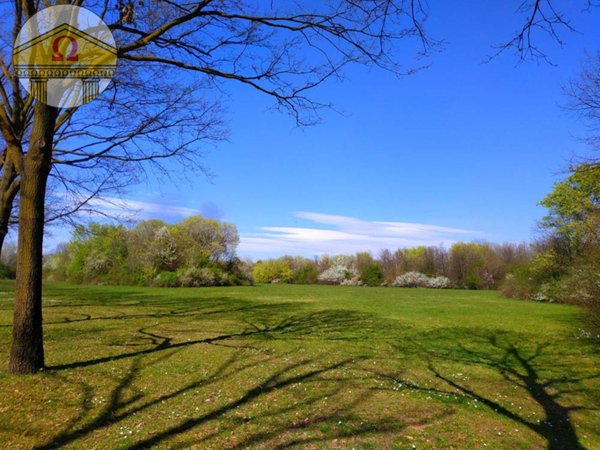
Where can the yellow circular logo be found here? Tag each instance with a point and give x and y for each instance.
(65, 56)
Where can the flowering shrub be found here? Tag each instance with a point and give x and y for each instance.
(411, 279)
(336, 275)
(439, 283)
(355, 281)
(418, 279)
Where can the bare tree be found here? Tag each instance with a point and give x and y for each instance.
(583, 93)
(540, 17)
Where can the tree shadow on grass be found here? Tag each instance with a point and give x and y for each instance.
(333, 324)
(519, 364)
(202, 307)
(297, 422)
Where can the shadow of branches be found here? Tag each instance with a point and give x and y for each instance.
(521, 365)
(302, 421)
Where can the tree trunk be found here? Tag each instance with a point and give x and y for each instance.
(27, 352)
(9, 187)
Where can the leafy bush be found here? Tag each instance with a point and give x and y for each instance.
(411, 279)
(273, 270)
(516, 286)
(166, 279)
(196, 277)
(372, 275)
(6, 271)
(531, 282)
(582, 287)
(306, 274)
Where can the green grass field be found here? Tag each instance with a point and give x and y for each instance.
(301, 366)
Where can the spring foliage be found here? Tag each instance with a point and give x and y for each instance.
(194, 252)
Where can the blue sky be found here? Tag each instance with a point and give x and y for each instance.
(458, 151)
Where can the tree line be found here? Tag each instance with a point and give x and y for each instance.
(468, 265)
(194, 252)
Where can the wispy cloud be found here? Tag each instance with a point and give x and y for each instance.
(343, 234)
(136, 209)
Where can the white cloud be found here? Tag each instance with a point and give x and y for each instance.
(139, 209)
(343, 234)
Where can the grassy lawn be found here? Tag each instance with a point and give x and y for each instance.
(301, 366)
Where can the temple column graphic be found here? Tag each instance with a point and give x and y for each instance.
(39, 88)
(91, 89)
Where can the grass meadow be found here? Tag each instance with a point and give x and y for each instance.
(281, 366)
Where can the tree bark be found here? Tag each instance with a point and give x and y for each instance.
(27, 352)
(9, 187)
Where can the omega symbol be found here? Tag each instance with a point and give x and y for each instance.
(58, 55)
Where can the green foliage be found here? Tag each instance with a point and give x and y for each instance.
(519, 283)
(466, 264)
(565, 267)
(372, 274)
(201, 241)
(166, 279)
(273, 270)
(196, 277)
(96, 254)
(306, 274)
(151, 253)
(6, 271)
(481, 265)
(581, 286)
(574, 207)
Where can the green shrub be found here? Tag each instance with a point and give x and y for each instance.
(582, 287)
(166, 279)
(372, 275)
(7, 272)
(519, 283)
(471, 281)
(306, 274)
(196, 277)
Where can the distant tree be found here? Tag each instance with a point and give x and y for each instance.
(139, 257)
(95, 253)
(304, 271)
(465, 264)
(388, 265)
(363, 260)
(8, 261)
(583, 93)
(163, 251)
(574, 209)
(201, 240)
